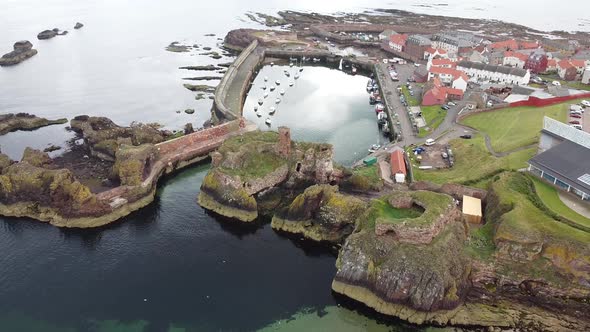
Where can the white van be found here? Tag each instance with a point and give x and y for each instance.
(429, 141)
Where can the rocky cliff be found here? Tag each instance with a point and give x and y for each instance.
(521, 270)
(320, 213)
(247, 165)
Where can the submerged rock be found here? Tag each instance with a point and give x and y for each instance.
(24, 121)
(78, 25)
(178, 48)
(22, 50)
(47, 34)
(189, 111)
(200, 87)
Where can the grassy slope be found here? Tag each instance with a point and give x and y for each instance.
(514, 127)
(549, 196)
(412, 100)
(434, 116)
(472, 162)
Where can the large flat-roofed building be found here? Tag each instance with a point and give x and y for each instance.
(564, 158)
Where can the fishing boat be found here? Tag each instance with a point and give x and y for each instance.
(379, 108)
(265, 94)
(272, 88)
(296, 76)
(260, 101)
(266, 78)
(277, 101)
(291, 64)
(370, 85)
(385, 128)
(255, 108)
(301, 69)
(282, 92)
(277, 82)
(272, 64)
(374, 148)
(272, 110)
(316, 59)
(267, 121)
(258, 114)
(287, 73)
(382, 116)
(353, 70)
(264, 87)
(291, 83)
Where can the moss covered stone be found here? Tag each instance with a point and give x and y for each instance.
(133, 163)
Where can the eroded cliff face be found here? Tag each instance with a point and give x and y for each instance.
(320, 213)
(254, 163)
(522, 270)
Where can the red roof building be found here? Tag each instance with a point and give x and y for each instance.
(537, 62)
(512, 45)
(446, 63)
(398, 164)
(566, 70)
(398, 42)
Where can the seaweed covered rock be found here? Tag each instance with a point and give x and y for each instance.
(320, 213)
(24, 121)
(257, 161)
(22, 50)
(47, 34)
(36, 158)
(408, 280)
(133, 163)
(104, 137)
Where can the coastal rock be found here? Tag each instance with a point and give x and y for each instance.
(47, 34)
(24, 121)
(22, 50)
(36, 158)
(178, 48)
(78, 25)
(320, 213)
(133, 163)
(104, 137)
(258, 161)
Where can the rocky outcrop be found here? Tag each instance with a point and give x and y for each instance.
(22, 50)
(133, 163)
(255, 162)
(24, 121)
(104, 137)
(47, 34)
(320, 213)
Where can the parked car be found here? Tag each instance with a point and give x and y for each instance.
(575, 113)
(429, 141)
(466, 136)
(445, 107)
(556, 83)
(417, 64)
(577, 116)
(450, 103)
(585, 103)
(411, 93)
(575, 122)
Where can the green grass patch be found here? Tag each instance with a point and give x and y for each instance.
(412, 100)
(434, 116)
(549, 196)
(513, 127)
(364, 178)
(473, 164)
(256, 165)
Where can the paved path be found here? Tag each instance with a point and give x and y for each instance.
(233, 99)
(505, 153)
(575, 204)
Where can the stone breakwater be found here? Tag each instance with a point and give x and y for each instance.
(31, 188)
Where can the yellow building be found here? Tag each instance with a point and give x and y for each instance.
(472, 209)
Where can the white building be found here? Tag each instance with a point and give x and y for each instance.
(514, 59)
(501, 74)
(586, 76)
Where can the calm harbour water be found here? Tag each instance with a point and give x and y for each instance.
(170, 266)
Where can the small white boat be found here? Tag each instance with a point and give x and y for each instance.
(301, 69)
(267, 121)
(260, 101)
(272, 88)
(264, 87)
(317, 59)
(296, 76)
(291, 83)
(265, 94)
(291, 64)
(374, 148)
(287, 73)
(382, 115)
(266, 78)
(277, 101)
(278, 82)
(340, 65)
(353, 70)
(255, 108)
(272, 110)
(272, 64)
(258, 114)
(282, 92)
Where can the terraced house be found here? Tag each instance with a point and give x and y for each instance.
(501, 74)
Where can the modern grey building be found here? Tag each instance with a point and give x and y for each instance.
(564, 158)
